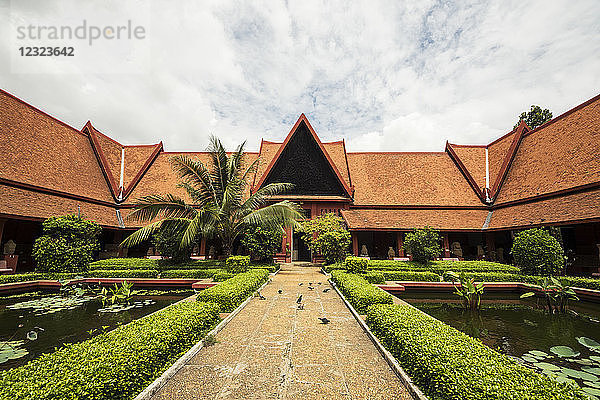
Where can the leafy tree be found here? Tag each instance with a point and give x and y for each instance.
(262, 243)
(221, 205)
(168, 243)
(536, 252)
(328, 236)
(534, 117)
(66, 245)
(423, 244)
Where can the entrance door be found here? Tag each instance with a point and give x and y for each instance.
(300, 250)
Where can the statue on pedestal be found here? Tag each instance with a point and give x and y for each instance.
(391, 253)
(363, 251)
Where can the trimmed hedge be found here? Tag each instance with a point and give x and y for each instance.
(222, 276)
(448, 364)
(356, 265)
(359, 292)
(114, 365)
(232, 292)
(438, 267)
(124, 263)
(419, 276)
(237, 264)
(165, 265)
(190, 273)
(374, 277)
(122, 273)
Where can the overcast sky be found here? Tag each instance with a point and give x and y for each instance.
(384, 76)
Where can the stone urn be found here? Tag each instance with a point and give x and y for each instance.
(9, 247)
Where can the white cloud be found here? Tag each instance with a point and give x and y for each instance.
(386, 76)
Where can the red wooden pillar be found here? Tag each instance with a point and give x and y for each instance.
(400, 243)
(446, 250)
(491, 246)
(118, 240)
(2, 221)
(355, 243)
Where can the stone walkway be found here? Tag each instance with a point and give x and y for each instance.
(273, 350)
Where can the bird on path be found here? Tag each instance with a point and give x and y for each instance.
(261, 297)
(300, 284)
(311, 288)
(299, 299)
(319, 283)
(309, 283)
(280, 291)
(326, 290)
(324, 320)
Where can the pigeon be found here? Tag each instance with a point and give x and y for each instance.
(311, 288)
(309, 283)
(319, 283)
(300, 284)
(324, 320)
(261, 297)
(299, 299)
(300, 306)
(326, 290)
(280, 291)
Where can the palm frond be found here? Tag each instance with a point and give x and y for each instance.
(195, 173)
(282, 214)
(261, 196)
(149, 207)
(143, 234)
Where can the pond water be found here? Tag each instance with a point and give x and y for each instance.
(34, 324)
(557, 345)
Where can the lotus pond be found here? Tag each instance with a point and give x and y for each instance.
(565, 346)
(33, 324)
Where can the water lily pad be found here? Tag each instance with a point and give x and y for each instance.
(593, 384)
(591, 370)
(584, 361)
(579, 374)
(529, 359)
(564, 351)
(591, 390)
(538, 353)
(547, 366)
(589, 343)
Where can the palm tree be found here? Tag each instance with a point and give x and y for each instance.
(221, 204)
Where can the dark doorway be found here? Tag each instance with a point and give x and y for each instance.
(300, 250)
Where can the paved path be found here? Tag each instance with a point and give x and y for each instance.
(273, 350)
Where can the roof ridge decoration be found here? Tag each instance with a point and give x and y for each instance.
(463, 169)
(302, 119)
(92, 133)
(521, 130)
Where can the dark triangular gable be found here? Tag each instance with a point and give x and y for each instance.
(303, 161)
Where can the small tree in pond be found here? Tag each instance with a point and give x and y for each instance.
(423, 244)
(262, 243)
(67, 244)
(536, 252)
(328, 236)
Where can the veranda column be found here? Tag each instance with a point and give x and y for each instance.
(400, 244)
(202, 250)
(446, 250)
(2, 221)
(355, 243)
(491, 246)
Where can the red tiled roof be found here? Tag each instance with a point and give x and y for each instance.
(409, 179)
(562, 154)
(473, 158)
(39, 150)
(576, 207)
(377, 219)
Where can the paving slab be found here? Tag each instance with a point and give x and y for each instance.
(274, 350)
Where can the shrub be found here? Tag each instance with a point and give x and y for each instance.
(222, 276)
(423, 244)
(237, 264)
(124, 263)
(122, 273)
(327, 235)
(190, 273)
(448, 364)
(356, 265)
(66, 245)
(232, 292)
(359, 292)
(536, 252)
(262, 243)
(418, 276)
(114, 365)
(168, 243)
(374, 277)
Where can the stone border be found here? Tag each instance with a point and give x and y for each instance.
(162, 380)
(415, 392)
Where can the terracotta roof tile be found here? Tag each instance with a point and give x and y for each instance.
(32, 204)
(39, 150)
(373, 219)
(473, 158)
(409, 179)
(337, 152)
(570, 208)
(562, 154)
(497, 152)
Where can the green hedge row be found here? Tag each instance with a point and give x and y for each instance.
(124, 263)
(232, 292)
(190, 273)
(447, 364)
(375, 277)
(164, 265)
(435, 266)
(359, 292)
(34, 276)
(113, 365)
(574, 281)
